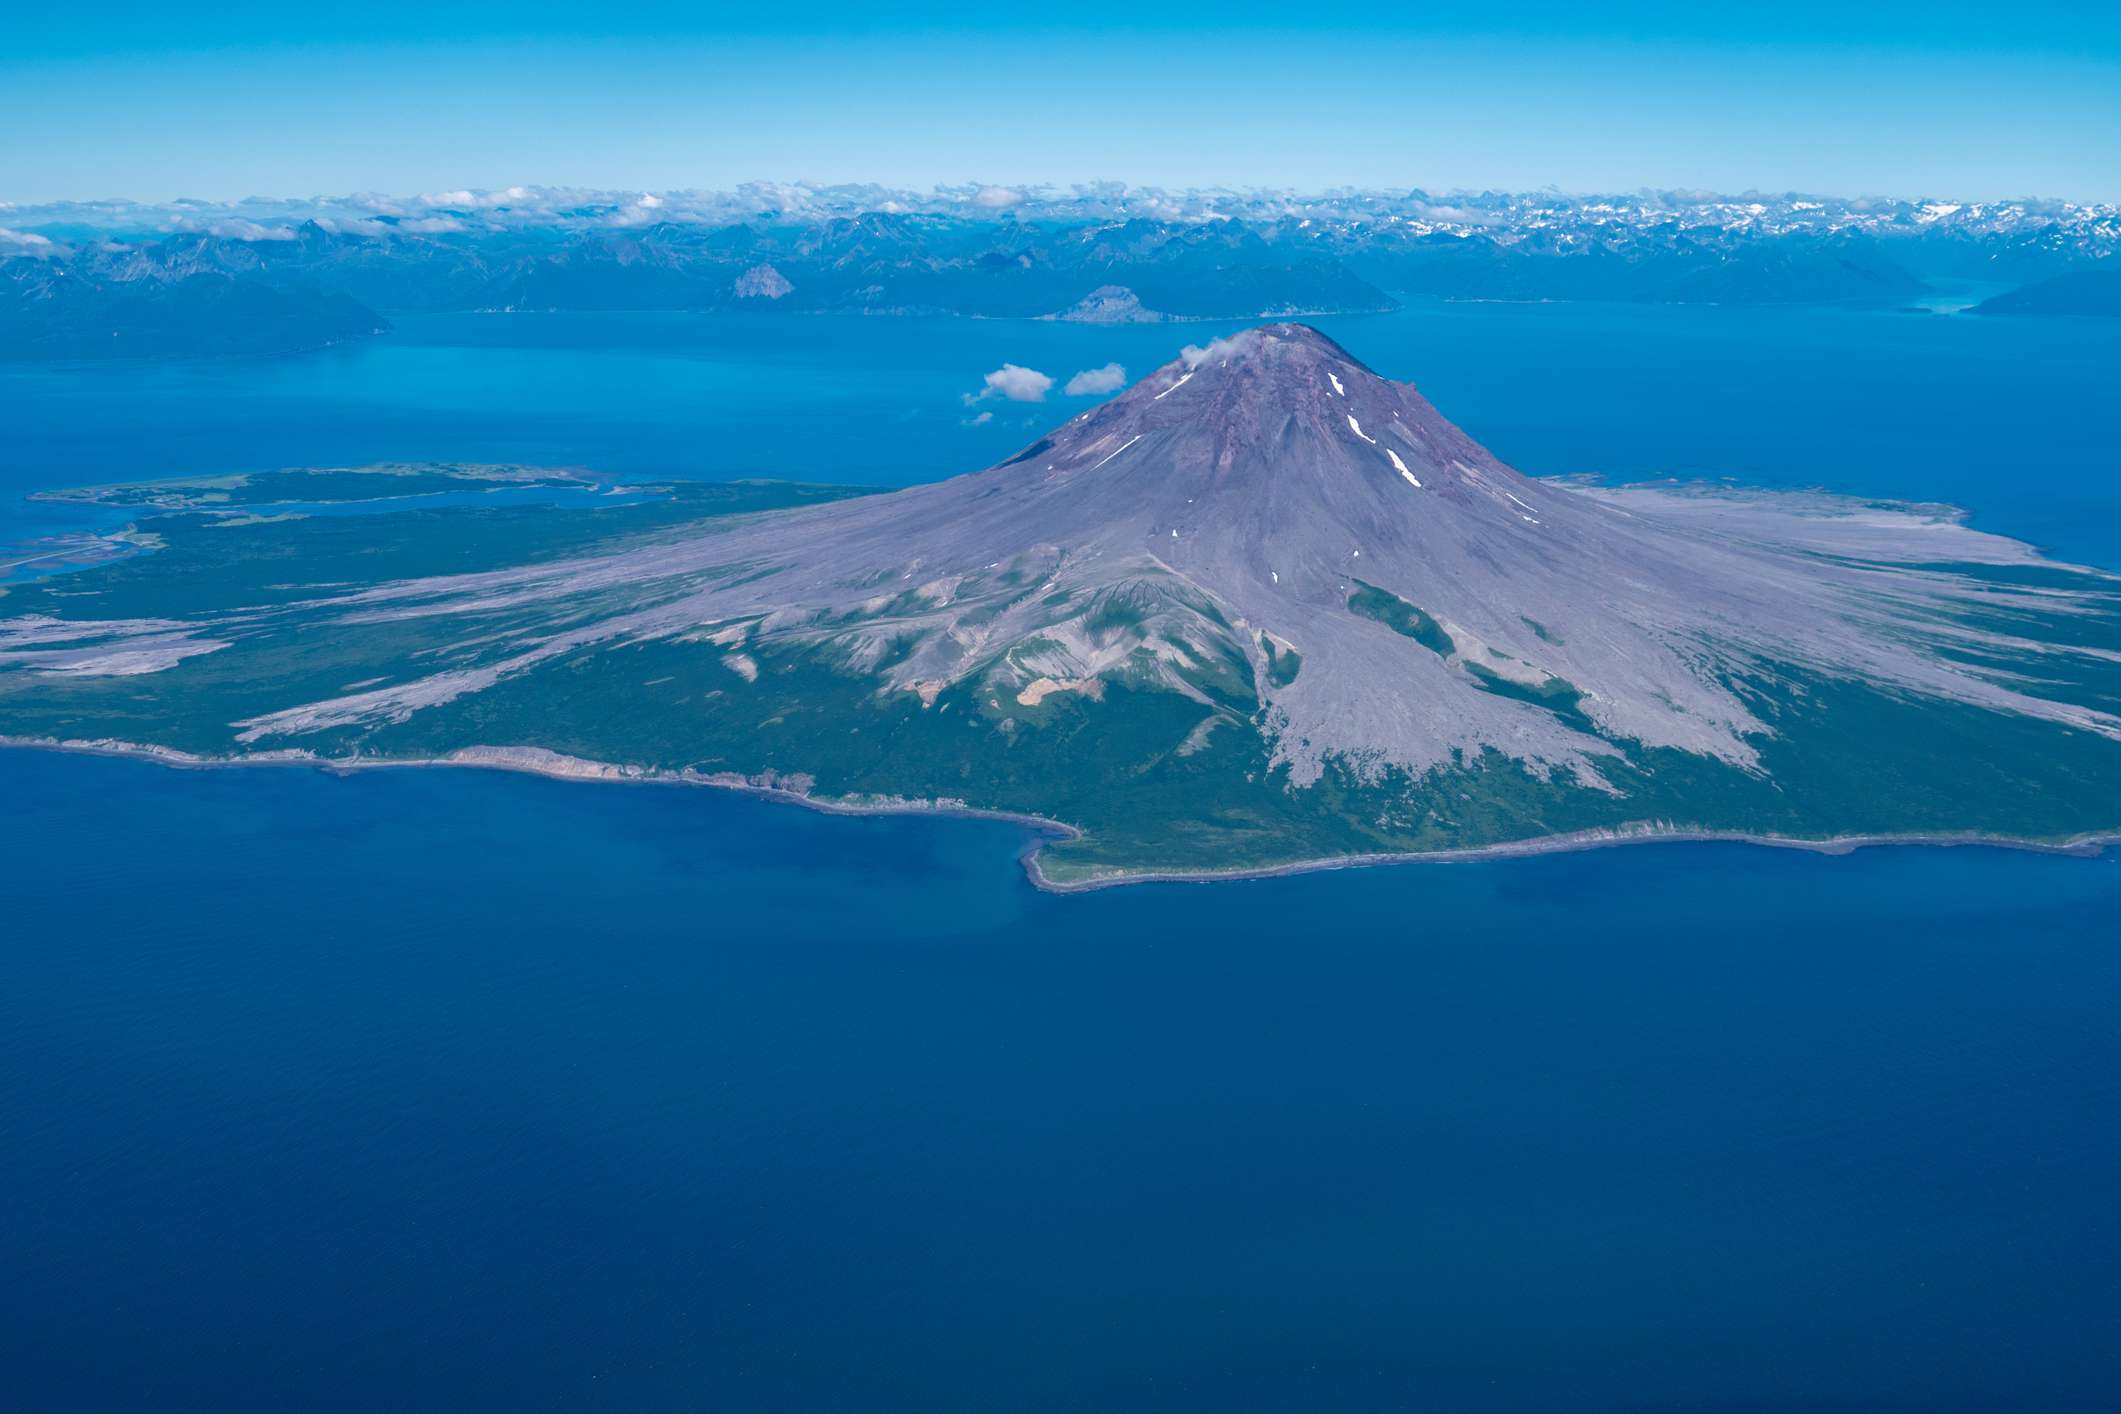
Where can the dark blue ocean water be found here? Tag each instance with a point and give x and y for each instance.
(446, 1091)
(449, 1091)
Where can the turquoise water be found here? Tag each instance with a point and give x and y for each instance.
(2012, 418)
(444, 1090)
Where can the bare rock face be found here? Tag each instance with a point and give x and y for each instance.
(1110, 304)
(762, 282)
(1267, 500)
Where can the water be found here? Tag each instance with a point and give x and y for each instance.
(443, 1090)
(2011, 418)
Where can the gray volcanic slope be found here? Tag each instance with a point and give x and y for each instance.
(1226, 510)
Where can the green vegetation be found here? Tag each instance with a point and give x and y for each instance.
(1558, 695)
(1401, 617)
(1283, 664)
(1135, 770)
(314, 485)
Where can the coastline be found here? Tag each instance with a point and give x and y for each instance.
(538, 761)
(2088, 845)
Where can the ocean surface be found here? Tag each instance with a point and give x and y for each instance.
(438, 1090)
(2011, 418)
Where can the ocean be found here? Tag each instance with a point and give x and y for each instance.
(448, 1090)
(2011, 418)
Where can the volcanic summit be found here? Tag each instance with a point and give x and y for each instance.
(1232, 505)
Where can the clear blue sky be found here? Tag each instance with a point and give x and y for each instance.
(156, 101)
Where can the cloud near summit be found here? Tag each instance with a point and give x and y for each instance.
(1228, 347)
(1014, 382)
(1109, 379)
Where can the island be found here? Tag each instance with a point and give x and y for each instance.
(1264, 610)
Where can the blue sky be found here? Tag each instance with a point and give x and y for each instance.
(244, 98)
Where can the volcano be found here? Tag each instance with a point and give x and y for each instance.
(1267, 606)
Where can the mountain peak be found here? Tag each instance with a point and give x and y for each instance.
(1274, 429)
(1270, 368)
(1285, 349)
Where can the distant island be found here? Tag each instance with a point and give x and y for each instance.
(1263, 610)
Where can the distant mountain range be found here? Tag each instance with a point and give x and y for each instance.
(117, 278)
(2078, 292)
(154, 302)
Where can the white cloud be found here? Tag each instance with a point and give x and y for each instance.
(352, 226)
(432, 225)
(1109, 379)
(462, 200)
(239, 230)
(1195, 355)
(995, 198)
(25, 243)
(1014, 382)
(981, 421)
(649, 200)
